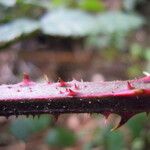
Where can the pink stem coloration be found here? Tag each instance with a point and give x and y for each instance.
(125, 98)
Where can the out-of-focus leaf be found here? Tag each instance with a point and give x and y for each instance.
(8, 3)
(138, 144)
(71, 22)
(111, 22)
(115, 141)
(65, 22)
(130, 4)
(60, 137)
(17, 28)
(23, 128)
(91, 5)
(61, 3)
(43, 4)
(109, 139)
(136, 50)
(147, 53)
(98, 41)
(136, 124)
(134, 70)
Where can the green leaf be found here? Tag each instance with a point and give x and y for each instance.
(147, 54)
(16, 29)
(111, 22)
(24, 128)
(61, 3)
(129, 5)
(8, 3)
(115, 141)
(67, 22)
(60, 137)
(91, 5)
(72, 22)
(136, 124)
(138, 144)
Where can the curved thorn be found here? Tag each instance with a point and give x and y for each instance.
(124, 118)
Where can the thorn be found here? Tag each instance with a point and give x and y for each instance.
(81, 80)
(130, 87)
(67, 90)
(62, 83)
(146, 73)
(124, 118)
(26, 78)
(71, 93)
(76, 86)
(47, 79)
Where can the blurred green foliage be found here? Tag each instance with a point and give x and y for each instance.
(60, 138)
(24, 128)
(136, 124)
(71, 18)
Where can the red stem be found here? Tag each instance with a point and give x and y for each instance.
(125, 98)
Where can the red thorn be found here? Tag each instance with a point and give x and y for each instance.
(67, 90)
(62, 83)
(26, 79)
(130, 87)
(71, 93)
(76, 86)
(124, 118)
